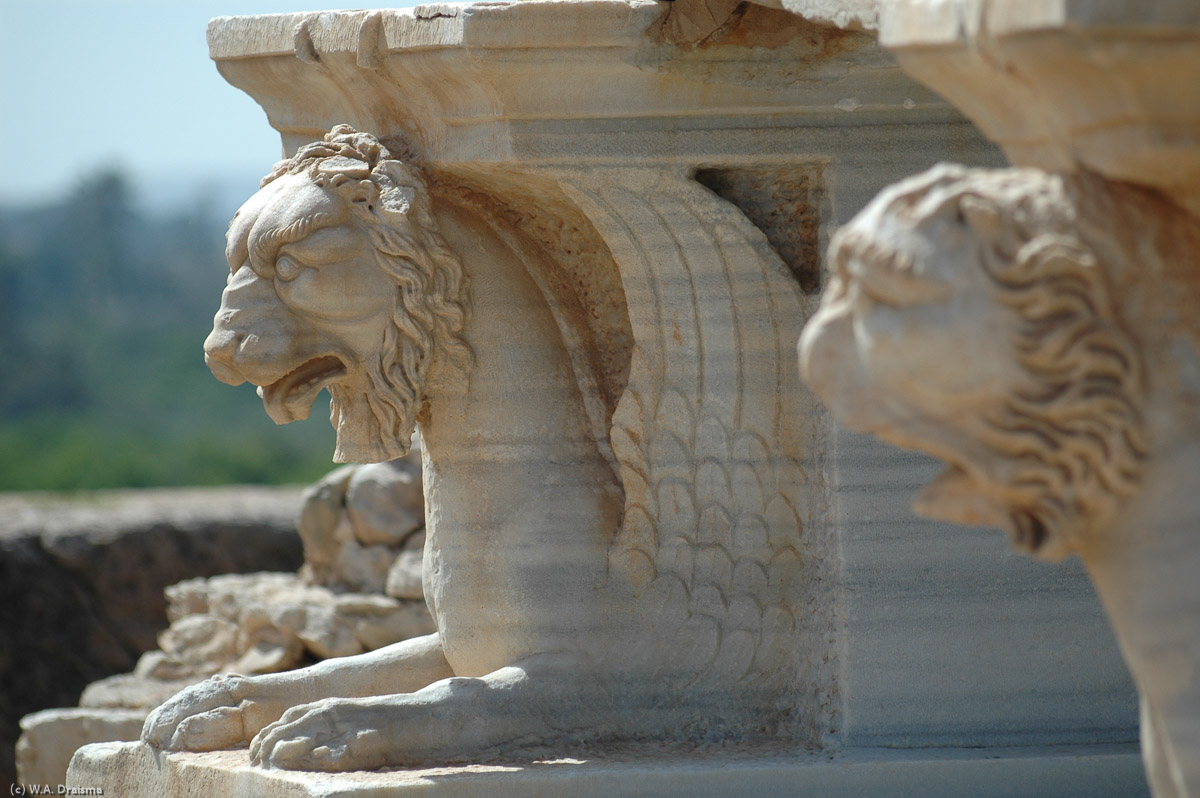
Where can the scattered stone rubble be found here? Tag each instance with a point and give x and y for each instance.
(359, 589)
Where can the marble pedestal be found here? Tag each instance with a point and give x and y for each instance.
(132, 770)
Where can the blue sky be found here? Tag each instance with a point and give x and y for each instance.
(128, 84)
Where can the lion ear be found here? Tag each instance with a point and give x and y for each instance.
(957, 498)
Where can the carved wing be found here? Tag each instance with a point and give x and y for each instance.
(723, 536)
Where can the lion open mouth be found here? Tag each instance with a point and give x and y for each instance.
(291, 397)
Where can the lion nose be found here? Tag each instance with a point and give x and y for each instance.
(219, 349)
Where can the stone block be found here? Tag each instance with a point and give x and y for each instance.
(50, 738)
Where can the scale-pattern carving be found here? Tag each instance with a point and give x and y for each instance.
(707, 433)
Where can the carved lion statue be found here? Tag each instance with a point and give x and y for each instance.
(579, 560)
(1039, 333)
(967, 318)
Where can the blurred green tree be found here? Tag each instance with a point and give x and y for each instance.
(103, 312)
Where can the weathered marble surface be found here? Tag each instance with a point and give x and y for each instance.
(638, 196)
(1104, 86)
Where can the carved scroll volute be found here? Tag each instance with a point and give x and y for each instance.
(722, 535)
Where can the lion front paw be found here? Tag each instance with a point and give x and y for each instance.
(333, 734)
(458, 719)
(203, 717)
(221, 712)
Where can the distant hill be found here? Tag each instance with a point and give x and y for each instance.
(103, 311)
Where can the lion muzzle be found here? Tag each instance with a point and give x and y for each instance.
(219, 348)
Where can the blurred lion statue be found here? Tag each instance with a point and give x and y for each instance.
(1039, 333)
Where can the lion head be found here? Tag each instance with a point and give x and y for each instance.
(969, 318)
(339, 280)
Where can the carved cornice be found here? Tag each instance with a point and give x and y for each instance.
(567, 83)
(1108, 86)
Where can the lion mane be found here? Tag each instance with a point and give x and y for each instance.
(431, 288)
(1072, 437)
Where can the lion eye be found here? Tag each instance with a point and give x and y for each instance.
(287, 269)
